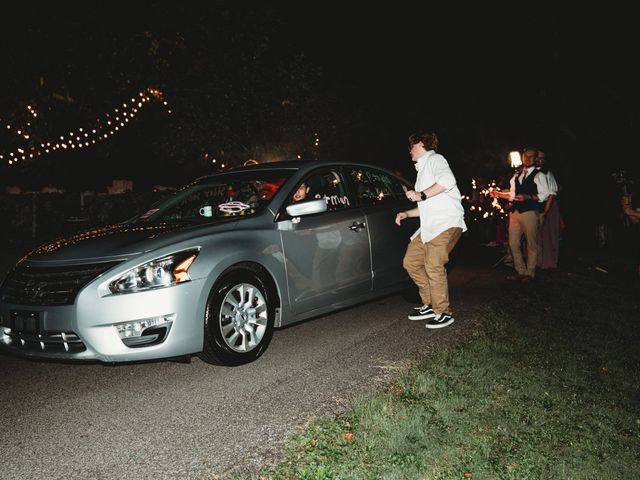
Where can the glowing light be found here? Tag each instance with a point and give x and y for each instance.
(87, 136)
(516, 161)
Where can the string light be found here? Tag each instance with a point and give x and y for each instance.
(85, 137)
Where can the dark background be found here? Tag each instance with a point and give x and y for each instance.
(259, 81)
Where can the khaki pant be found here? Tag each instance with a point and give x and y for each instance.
(526, 223)
(424, 262)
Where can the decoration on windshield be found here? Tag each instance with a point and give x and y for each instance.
(235, 208)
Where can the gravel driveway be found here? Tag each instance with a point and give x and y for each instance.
(166, 420)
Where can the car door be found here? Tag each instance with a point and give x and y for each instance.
(381, 196)
(327, 256)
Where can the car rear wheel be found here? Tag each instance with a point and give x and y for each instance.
(238, 319)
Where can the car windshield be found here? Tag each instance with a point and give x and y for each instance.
(236, 194)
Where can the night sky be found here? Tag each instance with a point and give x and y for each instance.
(488, 79)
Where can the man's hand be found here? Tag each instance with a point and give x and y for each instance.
(632, 213)
(500, 194)
(522, 197)
(414, 196)
(401, 216)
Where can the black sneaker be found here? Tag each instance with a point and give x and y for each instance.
(440, 320)
(425, 312)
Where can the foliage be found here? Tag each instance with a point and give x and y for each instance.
(237, 88)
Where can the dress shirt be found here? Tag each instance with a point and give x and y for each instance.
(552, 185)
(444, 210)
(540, 181)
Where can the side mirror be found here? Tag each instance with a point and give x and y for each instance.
(308, 207)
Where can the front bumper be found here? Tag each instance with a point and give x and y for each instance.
(85, 331)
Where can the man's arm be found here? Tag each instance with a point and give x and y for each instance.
(414, 212)
(443, 180)
(548, 203)
(628, 210)
(433, 190)
(633, 214)
(505, 194)
(543, 188)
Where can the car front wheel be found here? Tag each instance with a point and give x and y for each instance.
(238, 319)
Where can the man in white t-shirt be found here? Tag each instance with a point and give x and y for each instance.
(439, 207)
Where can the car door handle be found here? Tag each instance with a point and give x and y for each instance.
(357, 226)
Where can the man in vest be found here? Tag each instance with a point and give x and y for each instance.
(527, 190)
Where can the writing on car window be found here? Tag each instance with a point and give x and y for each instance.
(330, 186)
(374, 187)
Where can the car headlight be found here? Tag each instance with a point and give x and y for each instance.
(158, 273)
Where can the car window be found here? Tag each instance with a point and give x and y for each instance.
(326, 184)
(375, 187)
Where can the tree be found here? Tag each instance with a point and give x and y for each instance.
(236, 86)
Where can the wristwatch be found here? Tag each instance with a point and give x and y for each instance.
(423, 196)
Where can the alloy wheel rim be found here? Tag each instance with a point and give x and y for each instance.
(243, 317)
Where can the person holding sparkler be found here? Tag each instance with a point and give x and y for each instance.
(527, 190)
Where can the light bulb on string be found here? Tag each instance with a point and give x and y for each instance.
(91, 135)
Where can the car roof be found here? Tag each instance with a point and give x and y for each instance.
(296, 165)
(302, 165)
(291, 164)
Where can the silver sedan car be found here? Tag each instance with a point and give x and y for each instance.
(213, 269)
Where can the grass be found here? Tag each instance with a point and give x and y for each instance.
(548, 387)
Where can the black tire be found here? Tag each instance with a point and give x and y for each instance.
(228, 338)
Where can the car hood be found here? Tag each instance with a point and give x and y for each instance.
(119, 241)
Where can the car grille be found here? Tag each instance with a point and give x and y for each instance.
(27, 285)
(62, 342)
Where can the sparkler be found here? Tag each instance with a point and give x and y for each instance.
(481, 203)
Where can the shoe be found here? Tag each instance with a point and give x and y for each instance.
(441, 320)
(526, 279)
(425, 312)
